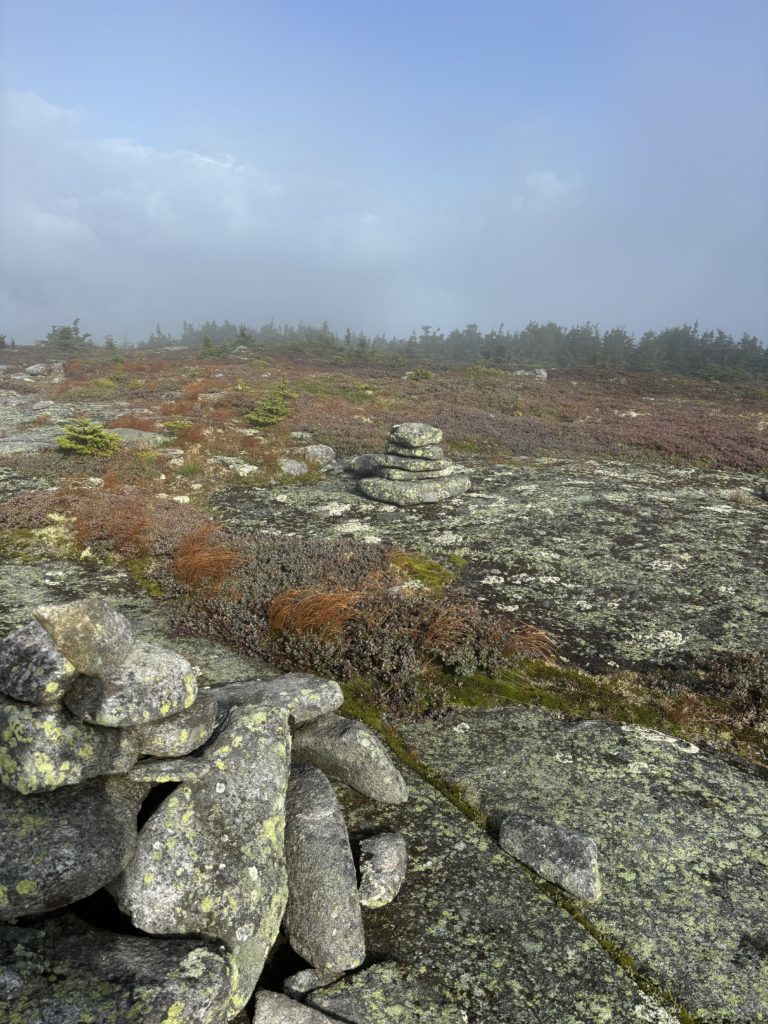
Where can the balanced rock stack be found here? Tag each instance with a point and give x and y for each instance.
(250, 839)
(413, 471)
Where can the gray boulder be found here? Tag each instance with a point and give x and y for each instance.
(299, 985)
(89, 632)
(31, 668)
(305, 697)
(538, 374)
(431, 452)
(37, 369)
(415, 435)
(272, 1008)
(383, 863)
(385, 992)
(59, 847)
(321, 454)
(293, 467)
(561, 855)
(350, 752)
(172, 769)
(70, 974)
(323, 922)
(180, 733)
(412, 465)
(363, 465)
(210, 860)
(406, 493)
(44, 748)
(151, 683)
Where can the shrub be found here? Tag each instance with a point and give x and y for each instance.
(82, 437)
(272, 409)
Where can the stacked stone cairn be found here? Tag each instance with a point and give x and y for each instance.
(413, 471)
(241, 832)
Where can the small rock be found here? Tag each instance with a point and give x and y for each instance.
(538, 374)
(69, 974)
(301, 435)
(90, 633)
(292, 467)
(322, 454)
(305, 697)
(561, 855)
(44, 748)
(383, 863)
(272, 1008)
(415, 435)
(322, 921)
(299, 985)
(385, 992)
(210, 860)
(37, 369)
(350, 752)
(151, 683)
(362, 465)
(31, 668)
(181, 733)
(59, 847)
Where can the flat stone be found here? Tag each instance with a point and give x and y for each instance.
(273, 1008)
(151, 683)
(415, 435)
(59, 847)
(298, 985)
(426, 474)
(305, 697)
(384, 992)
(411, 464)
(562, 855)
(477, 930)
(31, 668)
(322, 920)
(89, 632)
(405, 493)
(171, 769)
(44, 748)
(349, 751)
(681, 836)
(181, 733)
(210, 860)
(383, 863)
(69, 974)
(431, 452)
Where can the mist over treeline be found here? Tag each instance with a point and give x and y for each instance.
(684, 349)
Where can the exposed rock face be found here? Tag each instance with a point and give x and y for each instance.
(150, 684)
(210, 860)
(66, 974)
(383, 863)
(298, 985)
(272, 1008)
(305, 697)
(180, 733)
(349, 751)
(90, 633)
(44, 748)
(59, 847)
(32, 670)
(413, 472)
(322, 920)
(561, 855)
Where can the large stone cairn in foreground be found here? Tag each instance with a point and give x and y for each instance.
(413, 470)
(249, 839)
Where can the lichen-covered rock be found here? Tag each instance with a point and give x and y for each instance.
(59, 847)
(422, 464)
(384, 992)
(151, 683)
(272, 1008)
(321, 454)
(181, 733)
(323, 922)
(32, 670)
(70, 974)
(433, 451)
(305, 697)
(406, 492)
(171, 769)
(210, 860)
(352, 753)
(293, 467)
(425, 474)
(362, 465)
(299, 985)
(561, 855)
(89, 632)
(383, 863)
(44, 748)
(415, 435)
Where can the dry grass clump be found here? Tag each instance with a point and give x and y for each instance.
(310, 610)
(203, 560)
(133, 421)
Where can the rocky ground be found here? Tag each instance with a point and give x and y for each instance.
(626, 566)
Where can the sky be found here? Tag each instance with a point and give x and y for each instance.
(383, 166)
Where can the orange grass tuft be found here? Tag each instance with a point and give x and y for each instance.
(309, 610)
(202, 559)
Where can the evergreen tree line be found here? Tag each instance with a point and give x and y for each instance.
(685, 349)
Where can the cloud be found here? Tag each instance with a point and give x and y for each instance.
(543, 225)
